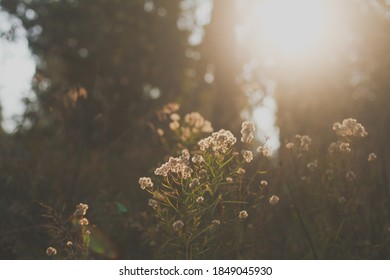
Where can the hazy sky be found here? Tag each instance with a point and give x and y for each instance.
(16, 71)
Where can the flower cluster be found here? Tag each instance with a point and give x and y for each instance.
(198, 188)
(197, 123)
(247, 129)
(220, 142)
(372, 157)
(81, 210)
(339, 146)
(247, 155)
(243, 214)
(145, 183)
(197, 159)
(264, 150)
(178, 225)
(304, 142)
(179, 165)
(349, 127)
(51, 251)
(274, 199)
(84, 222)
(289, 145)
(170, 108)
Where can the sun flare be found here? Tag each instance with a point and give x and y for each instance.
(293, 26)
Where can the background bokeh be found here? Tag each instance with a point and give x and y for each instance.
(105, 67)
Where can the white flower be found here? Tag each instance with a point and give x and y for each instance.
(247, 155)
(305, 142)
(339, 147)
(247, 129)
(177, 225)
(200, 200)
(160, 131)
(197, 159)
(264, 150)
(241, 171)
(178, 165)
(145, 183)
(263, 183)
(81, 210)
(153, 203)
(350, 127)
(51, 251)
(197, 123)
(372, 157)
(84, 222)
(175, 117)
(289, 145)
(344, 147)
(174, 125)
(220, 142)
(216, 222)
(171, 108)
(243, 214)
(274, 199)
(312, 165)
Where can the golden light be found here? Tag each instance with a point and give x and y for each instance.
(294, 26)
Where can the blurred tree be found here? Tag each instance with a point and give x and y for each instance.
(103, 69)
(223, 66)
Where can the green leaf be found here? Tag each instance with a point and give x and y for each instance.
(122, 209)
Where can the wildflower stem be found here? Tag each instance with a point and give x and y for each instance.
(305, 229)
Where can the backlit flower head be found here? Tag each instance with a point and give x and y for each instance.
(372, 157)
(349, 127)
(247, 155)
(243, 214)
(178, 225)
(81, 210)
(145, 183)
(84, 222)
(179, 165)
(219, 142)
(51, 251)
(247, 129)
(273, 199)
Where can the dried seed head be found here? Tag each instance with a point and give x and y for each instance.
(273, 199)
(243, 214)
(178, 225)
(84, 222)
(51, 251)
(81, 210)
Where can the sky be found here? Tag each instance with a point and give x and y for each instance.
(17, 68)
